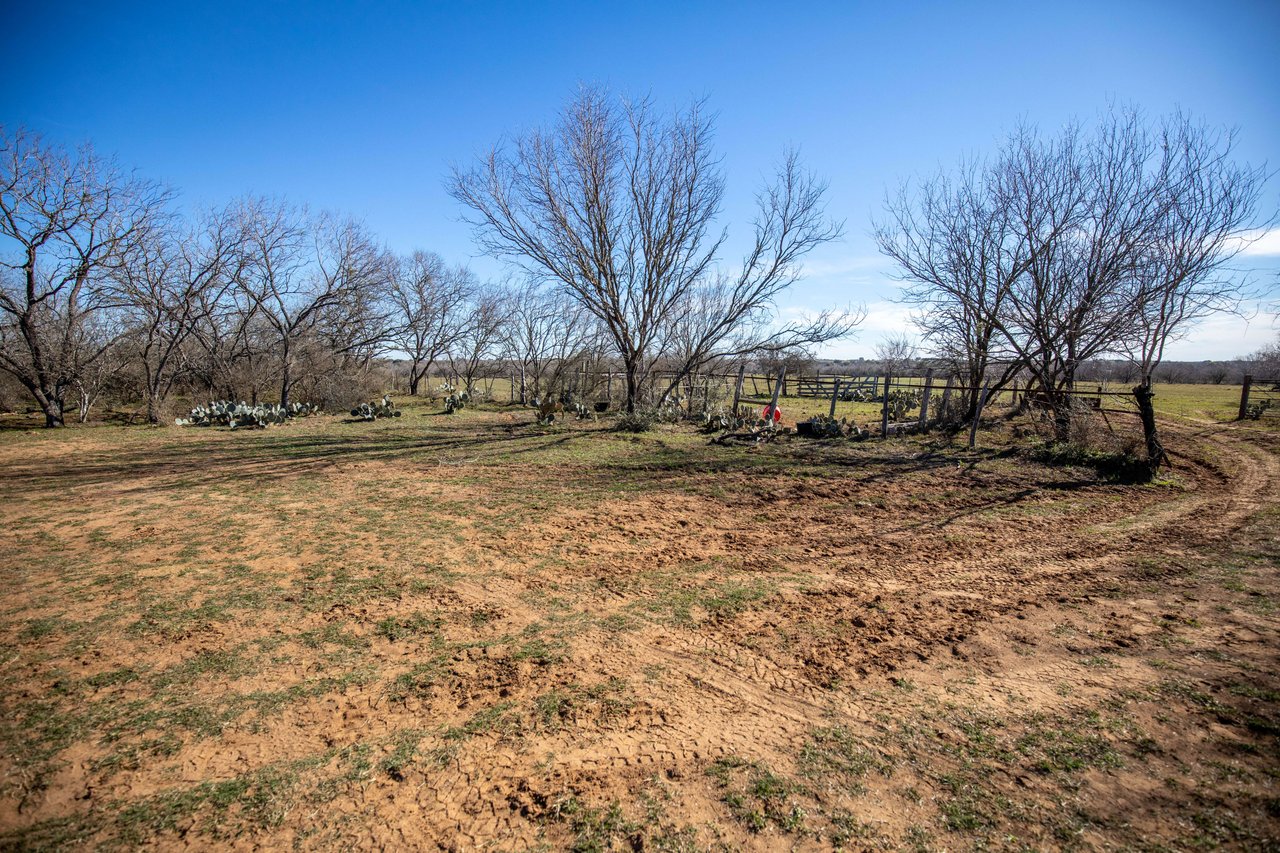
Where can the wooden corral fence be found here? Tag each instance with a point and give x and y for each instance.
(936, 398)
(772, 403)
(825, 386)
(1259, 398)
(940, 397)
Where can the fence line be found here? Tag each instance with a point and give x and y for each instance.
(1258, 397)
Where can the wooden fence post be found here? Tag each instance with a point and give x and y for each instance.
(835, 395)
(884, 409)
(737, 389)
(1244, 396)
(946, 397)
(924, 400)
(777, 387)
(977, 415)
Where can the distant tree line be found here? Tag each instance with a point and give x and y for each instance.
(1095, 371)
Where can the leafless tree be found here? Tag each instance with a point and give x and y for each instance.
(99, 333)
(546, 333)
(1265, 363)
(1068, 248)
(1208, 208)
(1128, 229)
(428, 299)
(222, 339)
(616, 205)
(64, 223)
(715, 322)
(479, 338)
(896, 354)
(301, 275)
(959, 253)
(169, 278)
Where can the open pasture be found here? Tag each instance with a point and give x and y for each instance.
(470, 631)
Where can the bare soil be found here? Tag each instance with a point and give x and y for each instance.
(479, 634)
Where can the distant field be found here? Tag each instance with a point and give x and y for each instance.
(1209, 402)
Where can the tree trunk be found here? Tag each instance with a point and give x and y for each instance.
(1060, 402)
(1155, 450)
(1061, 405)
(286, 380)
(415, 378)
(153, 409)
(633, 386)
(53, 411)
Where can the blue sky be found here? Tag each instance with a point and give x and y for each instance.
(363, 107)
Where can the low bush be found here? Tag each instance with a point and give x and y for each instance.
(1115, 466)
(638, 421)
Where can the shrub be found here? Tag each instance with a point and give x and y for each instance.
(336, 391)
(1119, 467)
(638, 421)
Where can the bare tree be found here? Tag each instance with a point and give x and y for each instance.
(480, 335)
(298, 274)
(99, 333)
(616, 206)
(959, 252)
(169, 278)
(428, 299)
(718, 321)
(1205, 220)
(222, 338)
(1070, 248)
(546, 333)
(896, 354)
(1128, 230)
(64, 223)
(1266, 361)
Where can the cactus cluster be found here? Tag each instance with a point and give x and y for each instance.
(1255, 411)
(242, 415)
(722, 420)
(455, 401)
(860, 395)
(822, 426)
(549, 407)
(902, 402)
(376, 409)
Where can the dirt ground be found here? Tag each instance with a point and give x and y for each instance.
(477, 633)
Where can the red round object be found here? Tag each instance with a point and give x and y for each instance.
(777, 413)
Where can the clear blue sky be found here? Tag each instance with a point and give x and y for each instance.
(363, 107)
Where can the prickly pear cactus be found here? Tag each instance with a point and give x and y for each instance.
(242, 415)
(376, 409)
(455, 401)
